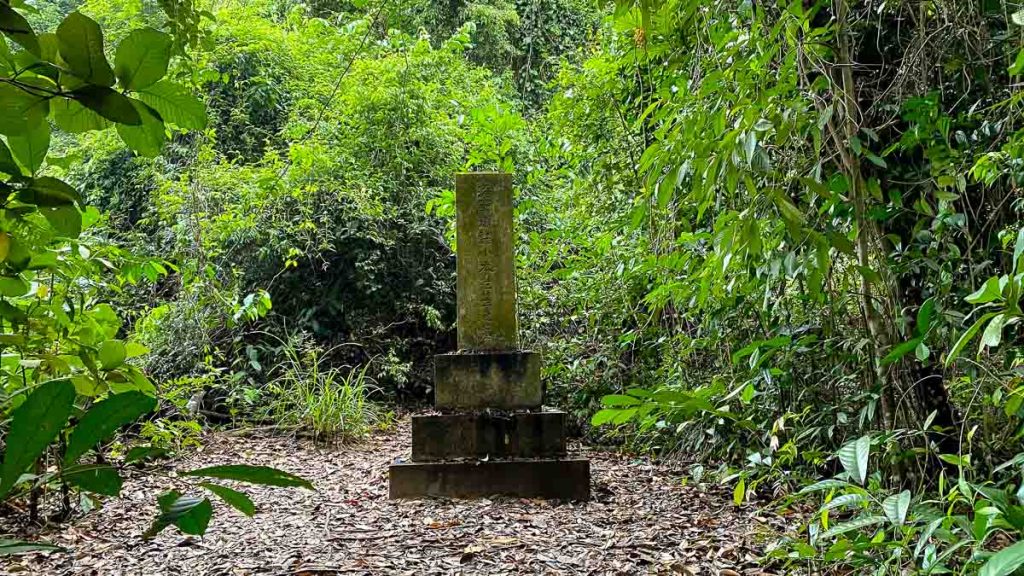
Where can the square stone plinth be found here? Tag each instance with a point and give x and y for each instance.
(478, 380)
(562, 479)
(515, 435)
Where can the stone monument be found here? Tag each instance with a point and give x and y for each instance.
(493, 436)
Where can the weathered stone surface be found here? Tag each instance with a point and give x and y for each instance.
(565, 479)
(486, 282)
(516, 435)
(500, 380)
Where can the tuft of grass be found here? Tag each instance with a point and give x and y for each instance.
(328, 401)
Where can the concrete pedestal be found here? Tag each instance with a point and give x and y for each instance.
(498, 380)
(563, 479)
(488, 436)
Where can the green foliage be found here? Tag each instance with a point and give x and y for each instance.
(783, 237)
(34, 424)
(65, 377)
(727, 257)
(866, 526)
(253, 474)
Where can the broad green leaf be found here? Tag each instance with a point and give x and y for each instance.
(7, 163)
(956, 459)
(112, 354)
(875, 159)
(966, 337)
(30, 148)
(844, 500)
(237, 500)
(993, 333)
(109, 104)
(739, 493)
(71, 116)
(840, 243)
(96, 479)
(80, 41)
(854, 458)
(790, 213)
(619, 400)
(870, 274)
(66, 220)
(49, 51)
(924, 316)
(175, 104)
(142, 58)
(624, 415)
(1004, 562)
(13, 547)
(49, 191)
(140, 453)
(827, 484)
(20, 111)
(900, 351)
(264, 475)
(604, 416)
(1014, 403)
(17, 28)
(989, 292)
(35, 424)
(1018, 249)
(13, 286)
(922, 352)
(852, 525)
(147, 138)
(103, 419)
(189, 513)
(896, 507)
(134, 349)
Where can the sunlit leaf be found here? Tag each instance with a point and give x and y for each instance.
(30, 149)
(175, 104)
(142, 58)
(854, 458)
(148, 137)
(1004, 562)
(81, 46)
(17, 28)
(896, 507)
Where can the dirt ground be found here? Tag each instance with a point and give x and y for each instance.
(642, 519)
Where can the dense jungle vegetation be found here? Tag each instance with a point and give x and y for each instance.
(781, 239)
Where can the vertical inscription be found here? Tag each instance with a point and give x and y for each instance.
(485, 205)
(486, 273)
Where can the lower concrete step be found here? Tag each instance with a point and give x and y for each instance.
(482, 435)
(563, 479)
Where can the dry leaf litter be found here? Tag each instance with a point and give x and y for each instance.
(642, 520)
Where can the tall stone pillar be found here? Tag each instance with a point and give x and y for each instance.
(493, 437)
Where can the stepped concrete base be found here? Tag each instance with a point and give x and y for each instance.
(563, 479)
(516, 435)
(498, 380)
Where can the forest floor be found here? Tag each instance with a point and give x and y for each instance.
(642, 519)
